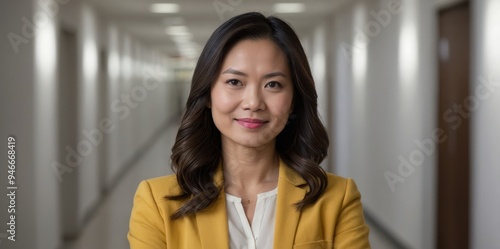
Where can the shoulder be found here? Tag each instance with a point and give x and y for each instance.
(341, 198)
(339, 183)
(151, 211)
(159, 187)
(166, 183)
(340, 189)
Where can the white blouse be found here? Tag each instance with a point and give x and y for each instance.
(261, 234)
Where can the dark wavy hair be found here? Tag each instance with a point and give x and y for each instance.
(302, 145)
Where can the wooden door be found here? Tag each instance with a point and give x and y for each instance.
(453, 156)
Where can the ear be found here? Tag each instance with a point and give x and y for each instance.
(209, 104)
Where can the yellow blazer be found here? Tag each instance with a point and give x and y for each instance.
(335, 221)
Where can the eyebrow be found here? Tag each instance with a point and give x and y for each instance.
(269, 75)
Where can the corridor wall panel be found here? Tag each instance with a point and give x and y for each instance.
(485, 123)
(88, 142)
(17, 107)
(384, 99)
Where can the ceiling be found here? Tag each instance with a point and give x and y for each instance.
(201, 18)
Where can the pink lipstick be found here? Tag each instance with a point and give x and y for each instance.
(251, 123)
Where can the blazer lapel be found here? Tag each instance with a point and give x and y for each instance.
(212, 222)
(287, 216)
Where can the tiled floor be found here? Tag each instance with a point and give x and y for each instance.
(109, 226)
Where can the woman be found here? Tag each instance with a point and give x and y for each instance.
(247, 154)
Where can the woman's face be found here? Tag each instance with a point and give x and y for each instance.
(252, 96)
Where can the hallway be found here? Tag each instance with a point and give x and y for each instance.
(109, 226)
(408, 92)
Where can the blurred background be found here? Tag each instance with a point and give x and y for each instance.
(93, 90)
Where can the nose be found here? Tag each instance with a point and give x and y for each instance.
(253, 99)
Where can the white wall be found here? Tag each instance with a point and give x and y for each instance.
(17, 119)
(45, 111)
(485, 121)
(29, 113)
(30, 104)
(385, 90)
(317, 46)
(89, 192)
(142, 97)
(318, 67)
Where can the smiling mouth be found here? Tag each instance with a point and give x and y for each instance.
(251, 123)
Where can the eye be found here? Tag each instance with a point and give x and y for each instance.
(273, 85)
(234, 82)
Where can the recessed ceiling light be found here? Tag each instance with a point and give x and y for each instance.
(164, 8)
(289, 7)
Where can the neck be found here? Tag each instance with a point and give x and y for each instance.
(248, 168)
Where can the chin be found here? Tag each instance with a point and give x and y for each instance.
(255, 143)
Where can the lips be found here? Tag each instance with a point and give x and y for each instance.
(251, 123)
